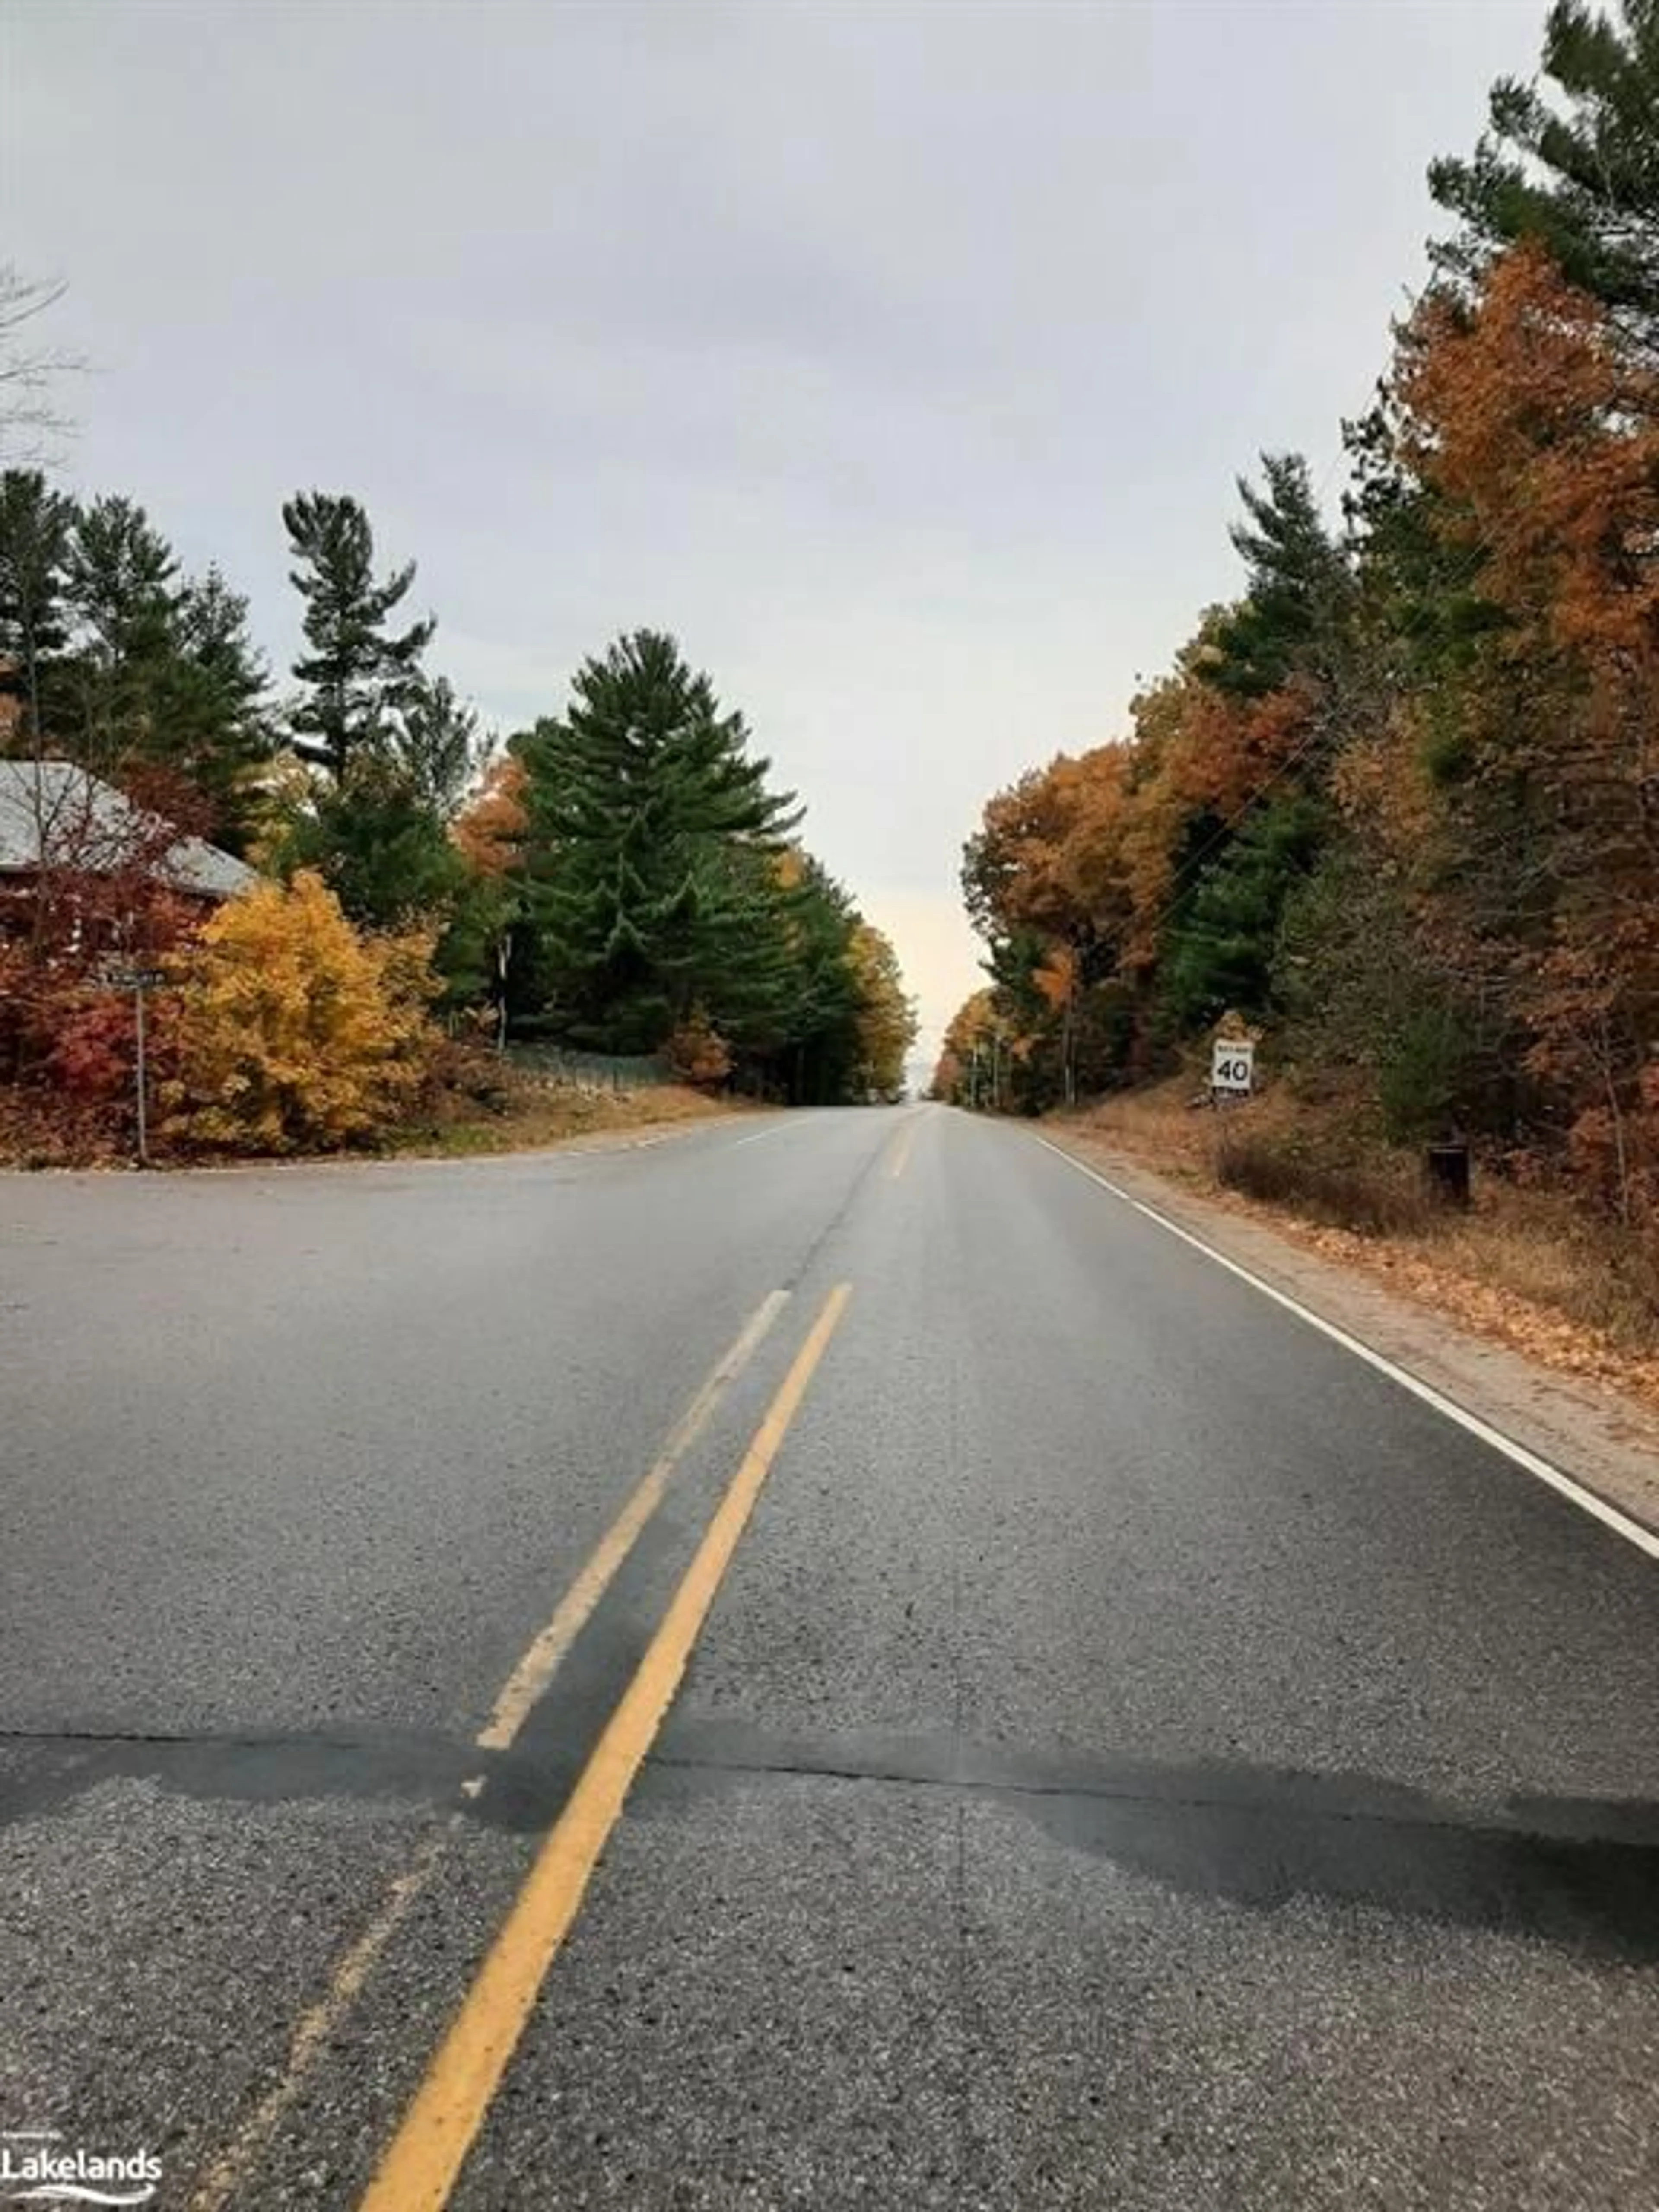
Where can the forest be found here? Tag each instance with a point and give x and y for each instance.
(624, 878)
(1394, 809)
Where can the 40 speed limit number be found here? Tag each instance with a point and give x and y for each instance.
(1233, 1064)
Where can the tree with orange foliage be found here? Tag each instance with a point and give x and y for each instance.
(697, 1053)
(490, 827)
(885, 1021)
(489, 833)
(956, 1077)
(1131, 892)
(1537, 432)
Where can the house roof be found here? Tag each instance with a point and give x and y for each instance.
(56, 813)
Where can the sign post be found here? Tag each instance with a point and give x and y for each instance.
(143, 1078)
(138, 980)
(1232, 1067)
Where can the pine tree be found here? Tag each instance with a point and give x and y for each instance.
(1221, 947)
(378, 842)
(434, 741)
(634, 798)
(817, 1055)
(123, 582)
(122, 585)
(126, 666)
(35, 526)
(159, 673)
(217, 718)
(740, 957)
(397, 747)
(1578, 173)
(357, 672)
(1298, 587)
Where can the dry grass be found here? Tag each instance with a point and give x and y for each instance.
(1375, 1197)
(535, 1112)
(478, 1107)
(1527, 1268)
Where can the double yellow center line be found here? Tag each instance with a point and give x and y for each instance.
(421, 2164)
(542, 1660)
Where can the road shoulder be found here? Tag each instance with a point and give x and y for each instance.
(1604, 1439)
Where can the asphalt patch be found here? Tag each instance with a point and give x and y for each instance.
(1581, 1873)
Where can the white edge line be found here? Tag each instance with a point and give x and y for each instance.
(759, 1137)
(1645, 1539)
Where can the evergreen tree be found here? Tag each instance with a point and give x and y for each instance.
(218, 715)
(814, 1058)
(1285, 658)
(380, 833)
(1579, 172)
(1297, 594)
(397, 747)
(634, 800)
(211, 631)
(126, 666)
(1015, 961)
(434, 741)
(162, 673)
(357, 672)
(201, 707)
(35, 526)
(378, 842)
(736, 956)
(1221, 947)
(122, 585)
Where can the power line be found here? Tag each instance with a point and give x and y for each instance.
(1174, 895)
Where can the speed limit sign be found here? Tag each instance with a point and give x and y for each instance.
(1233, 1064)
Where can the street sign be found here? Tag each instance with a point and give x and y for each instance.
(1232, 1065)
(116, 976)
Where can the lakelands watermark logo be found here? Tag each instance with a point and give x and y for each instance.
(37, 2167)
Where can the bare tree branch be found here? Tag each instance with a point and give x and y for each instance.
(29, 418)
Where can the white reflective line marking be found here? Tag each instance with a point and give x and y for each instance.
(1633, 1532)
(759, 1137)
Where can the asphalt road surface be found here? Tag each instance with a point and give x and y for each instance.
(822, 1660)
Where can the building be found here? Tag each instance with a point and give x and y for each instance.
(69, 837)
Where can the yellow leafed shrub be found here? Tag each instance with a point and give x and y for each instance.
(697, 1053)
(295, 1032)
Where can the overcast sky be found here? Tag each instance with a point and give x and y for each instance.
(900, 358)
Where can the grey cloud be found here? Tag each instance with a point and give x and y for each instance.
(899, 356)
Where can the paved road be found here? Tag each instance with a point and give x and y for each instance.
(1135, 1754)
